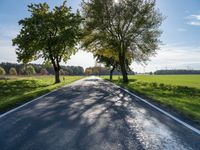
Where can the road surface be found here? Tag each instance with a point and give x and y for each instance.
(92, 114)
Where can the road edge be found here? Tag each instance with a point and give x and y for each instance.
(35, 99)
(197, 131)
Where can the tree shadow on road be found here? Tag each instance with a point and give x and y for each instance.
(79, 117)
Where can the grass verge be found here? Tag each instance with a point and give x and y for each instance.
(15, 91)
(178, 93)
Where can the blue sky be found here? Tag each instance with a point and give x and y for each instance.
(181, 34)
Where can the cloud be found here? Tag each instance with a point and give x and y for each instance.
(194, 20)
(194, 23)
(197, 17)
(172, 57)
(177, 55)
(81, 58)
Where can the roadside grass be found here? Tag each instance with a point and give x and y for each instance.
(180, 93)
(15, 91)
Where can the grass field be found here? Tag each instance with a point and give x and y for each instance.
(180, 93)
(17, 90)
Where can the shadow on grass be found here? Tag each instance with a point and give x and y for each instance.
(16, 92)
(19, 87)
(161, 87)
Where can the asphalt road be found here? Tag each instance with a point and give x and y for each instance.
(92, 114)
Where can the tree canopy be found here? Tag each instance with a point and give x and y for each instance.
(129, 27)
(48, 34)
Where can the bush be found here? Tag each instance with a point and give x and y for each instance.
(13, 71)
(2, 71)
(162, 86)
(144, 83)
(44, 72)
(154, 84)
(28, 70)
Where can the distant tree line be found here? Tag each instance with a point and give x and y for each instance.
(102, 71)
(30, 69)
(174, 72)
(38, 69)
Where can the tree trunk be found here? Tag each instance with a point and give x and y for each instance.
(111, 72)
(56, 71)
(56, 67)
(124, 73)
(123, 68)
(57, 76)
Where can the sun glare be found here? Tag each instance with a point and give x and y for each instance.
(116, 1)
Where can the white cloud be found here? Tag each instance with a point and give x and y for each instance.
(197, 17)
(194, 23)
(82, 58)
(172, 57)
(194, 20)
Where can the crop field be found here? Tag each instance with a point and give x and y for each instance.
(180, 93)
(17, 90)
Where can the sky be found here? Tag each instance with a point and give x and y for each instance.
(180, 48)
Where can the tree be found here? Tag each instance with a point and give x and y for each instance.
(129, 27)
(28, 70)
(62, 72)
(88, 71)
(12, 71)
(96, 70)
(44, 71)
(110, 59)
(48, 34)
(2, 71)
(108, 62)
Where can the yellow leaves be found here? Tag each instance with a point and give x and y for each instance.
(109, 53)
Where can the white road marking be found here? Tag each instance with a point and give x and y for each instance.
(143, 100)
(162, 111)
(14, 109)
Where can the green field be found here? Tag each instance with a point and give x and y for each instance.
(180, 93)
(17, 90)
